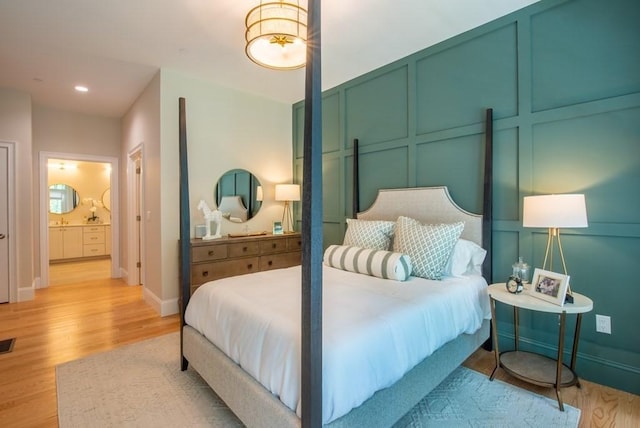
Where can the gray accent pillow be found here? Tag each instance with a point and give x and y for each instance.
(428, 245)
(383, 264)
(374, 234)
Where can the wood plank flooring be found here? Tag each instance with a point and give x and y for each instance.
(71, 321)
(64, 323)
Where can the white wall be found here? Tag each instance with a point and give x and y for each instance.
(141, 129)
(15, 127)
(226, 129)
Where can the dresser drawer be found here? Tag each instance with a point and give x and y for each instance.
(273, 246)
(209, 253)
(204, 272)
(279, 261)
(93, 238)
(294, 243)
(240, 249)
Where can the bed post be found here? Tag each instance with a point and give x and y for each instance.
(487, 214)
(356, 181)
(312, 247)
(185, 255)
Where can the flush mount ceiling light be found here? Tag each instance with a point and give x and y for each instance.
(277, 34)
(81, 88)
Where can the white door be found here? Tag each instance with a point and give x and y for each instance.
(4, 224)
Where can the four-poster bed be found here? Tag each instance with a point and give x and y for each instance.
(256, 404)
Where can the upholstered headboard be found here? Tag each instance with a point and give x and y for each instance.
(432, 205)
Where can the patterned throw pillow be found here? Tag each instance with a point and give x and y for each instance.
(375, 234)
(428, 245)
(383, 264)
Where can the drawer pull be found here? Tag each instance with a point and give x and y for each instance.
(244, 249)
(274, 245)
(205, 273)
(250, 266)
(270, 262)
(211, 252)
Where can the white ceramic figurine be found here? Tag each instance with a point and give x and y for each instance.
(209, 216)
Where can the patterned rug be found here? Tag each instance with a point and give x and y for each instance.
(141, 385)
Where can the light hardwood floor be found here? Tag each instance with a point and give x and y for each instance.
(68, 322)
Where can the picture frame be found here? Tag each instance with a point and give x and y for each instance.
(549, 286)
(277, 228)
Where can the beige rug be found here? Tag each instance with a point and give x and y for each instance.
(141, 385)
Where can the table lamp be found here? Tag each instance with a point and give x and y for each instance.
(287, 193)
(554, 212)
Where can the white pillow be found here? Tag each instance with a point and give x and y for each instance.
(383, 264)
(375, 234)
(466, 259)
(428, 245)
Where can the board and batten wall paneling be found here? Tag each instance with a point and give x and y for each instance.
(563, 79)
(480, 71)
(584, 51)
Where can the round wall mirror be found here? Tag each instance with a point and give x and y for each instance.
(62, 199)
(106, 199)
(238, 195)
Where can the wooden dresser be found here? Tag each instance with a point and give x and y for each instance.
(220, 258)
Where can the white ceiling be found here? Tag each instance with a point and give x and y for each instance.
(116, 46)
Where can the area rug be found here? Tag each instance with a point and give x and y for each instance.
(141, 385)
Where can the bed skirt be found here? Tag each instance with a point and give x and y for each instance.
(257, 407)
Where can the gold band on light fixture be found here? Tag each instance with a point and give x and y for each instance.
(277, 34)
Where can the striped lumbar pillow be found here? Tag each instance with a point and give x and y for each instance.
(380, 263)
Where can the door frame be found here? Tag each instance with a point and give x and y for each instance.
(44, 212)
(135, 228)
(11, 219)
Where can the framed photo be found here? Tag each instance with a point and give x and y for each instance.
(549, 286)
(277, 228)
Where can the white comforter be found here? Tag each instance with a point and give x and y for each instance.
(374, 330)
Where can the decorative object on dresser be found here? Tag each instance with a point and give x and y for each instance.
(210, 216)
(228, 256)
(529, 366)
(287, 193)
(554, 212)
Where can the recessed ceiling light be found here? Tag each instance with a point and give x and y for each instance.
(81, 88)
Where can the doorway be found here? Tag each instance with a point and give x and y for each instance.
(70, 238)
(8, 285)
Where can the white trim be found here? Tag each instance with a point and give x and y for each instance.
(163, 307)
(44, 213)
(14, 295)
(132, 242)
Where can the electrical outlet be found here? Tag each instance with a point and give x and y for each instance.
(603, 324)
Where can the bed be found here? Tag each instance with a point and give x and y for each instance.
(396, 393)
(256, 405)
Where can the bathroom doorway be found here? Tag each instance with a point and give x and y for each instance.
(78, 217)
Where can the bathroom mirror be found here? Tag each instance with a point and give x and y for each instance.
(236, 195)
(62, 199)
(106, 199)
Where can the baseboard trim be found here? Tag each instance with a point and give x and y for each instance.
(163, 307)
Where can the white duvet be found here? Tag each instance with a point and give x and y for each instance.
(374, 330)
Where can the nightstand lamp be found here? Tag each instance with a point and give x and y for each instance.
(287, 193)
(554, 212)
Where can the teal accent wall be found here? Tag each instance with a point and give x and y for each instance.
(563, 78)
